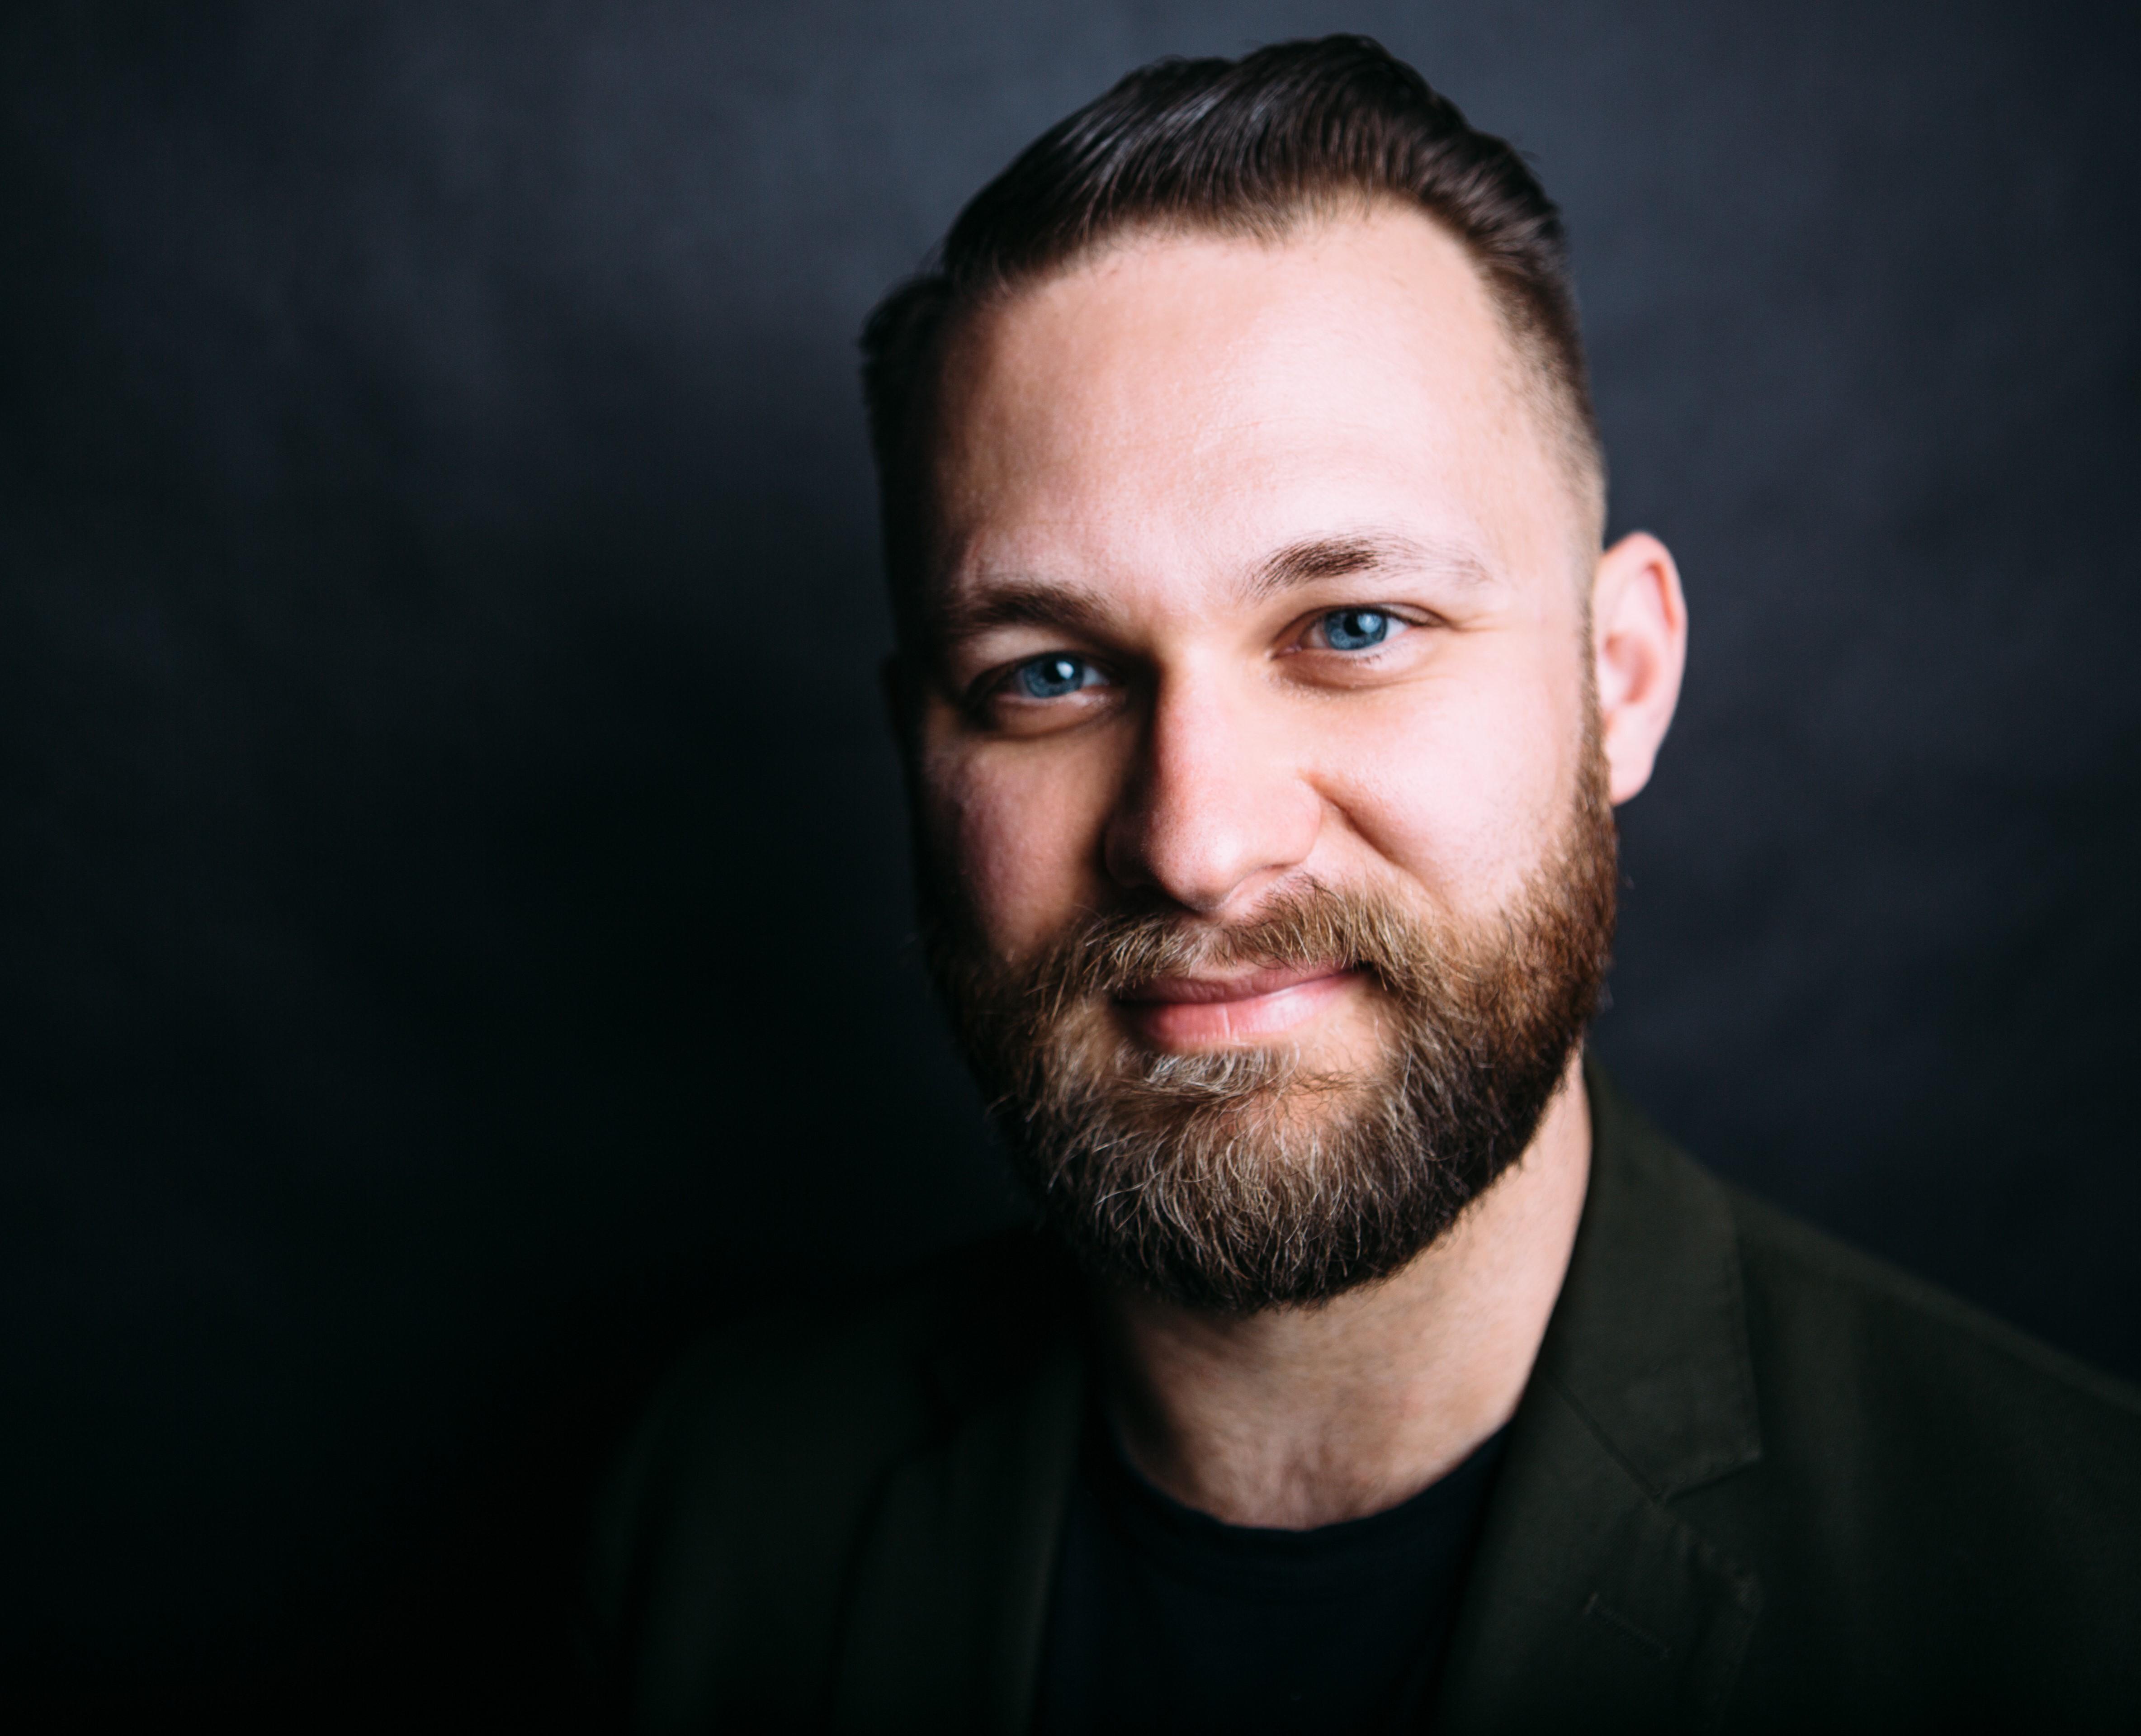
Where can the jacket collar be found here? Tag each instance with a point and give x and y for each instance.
(1649, 1338)
(1590, 1600)
(944, 1614)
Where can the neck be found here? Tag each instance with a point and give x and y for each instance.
(1300, 1416)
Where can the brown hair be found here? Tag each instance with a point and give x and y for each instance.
(1247, 148)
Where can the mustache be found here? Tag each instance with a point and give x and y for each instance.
(1310, 924)
(1216, 1177)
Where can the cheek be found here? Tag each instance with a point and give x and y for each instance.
(1020, 831)
(1460, 788)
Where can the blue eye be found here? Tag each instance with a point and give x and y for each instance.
(1356, 629)
(1052, 676)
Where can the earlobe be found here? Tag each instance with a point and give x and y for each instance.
(1639, 648)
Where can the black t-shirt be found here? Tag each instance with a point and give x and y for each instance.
(1163, 1618)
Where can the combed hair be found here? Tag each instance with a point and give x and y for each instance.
(1245, 148)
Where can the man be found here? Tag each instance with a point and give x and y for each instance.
(1264, 693)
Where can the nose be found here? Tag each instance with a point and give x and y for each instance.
(1214, 811)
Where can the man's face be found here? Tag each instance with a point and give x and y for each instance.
(1259, 588)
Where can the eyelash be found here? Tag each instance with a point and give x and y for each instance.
(998, 683)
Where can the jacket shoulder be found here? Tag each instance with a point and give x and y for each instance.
(1946, 1514)
(724, 1537)
(1826, 1317)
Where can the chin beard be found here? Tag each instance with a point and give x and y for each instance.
(1240, 1179)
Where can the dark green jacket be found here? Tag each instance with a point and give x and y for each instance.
(1757, 1482)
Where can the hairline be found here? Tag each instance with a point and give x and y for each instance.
(1547, 395)
(1549, 402)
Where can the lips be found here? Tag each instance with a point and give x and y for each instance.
(1200, 1012)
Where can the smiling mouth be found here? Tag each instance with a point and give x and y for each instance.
(1203, 1012)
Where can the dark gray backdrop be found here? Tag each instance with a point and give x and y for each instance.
(454, 933)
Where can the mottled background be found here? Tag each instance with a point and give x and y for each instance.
(453, 937)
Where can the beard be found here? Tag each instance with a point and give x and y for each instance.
(1239, 1179)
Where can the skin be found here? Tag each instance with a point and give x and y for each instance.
(1177, 464)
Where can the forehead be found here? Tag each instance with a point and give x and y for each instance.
(1183, 405)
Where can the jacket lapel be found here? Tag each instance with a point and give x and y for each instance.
(1592, 1603)
(946, 1612)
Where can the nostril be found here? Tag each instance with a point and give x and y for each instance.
(1206, 855)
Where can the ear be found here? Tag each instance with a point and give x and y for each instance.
(1639, 648)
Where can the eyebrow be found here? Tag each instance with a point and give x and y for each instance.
(1028, 602)
(1324, 557)
(1020, 602)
